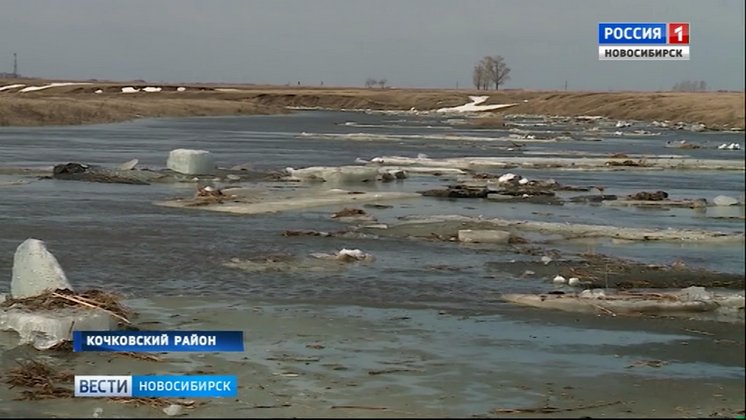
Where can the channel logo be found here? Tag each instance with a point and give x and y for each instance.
(643, 41)
(156, 386)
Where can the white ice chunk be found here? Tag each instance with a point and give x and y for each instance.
(724, 200)
(129, 89)
(180, 89)
(506, 177)
(36, 270)
(335, 175)
(129, 165)
(695, 293)
(173, 410)
(559, 279)
(484, 236)
(46, 328)
(151, 89)
(351, 253)
(189, 161)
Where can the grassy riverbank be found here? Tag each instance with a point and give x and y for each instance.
(78, 104)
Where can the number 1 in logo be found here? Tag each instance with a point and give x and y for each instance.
(678, 33)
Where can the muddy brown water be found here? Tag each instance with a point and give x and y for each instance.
(405, 309)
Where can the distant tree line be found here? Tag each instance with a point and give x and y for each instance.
(373, 83)
(690, 86)
(490, 71)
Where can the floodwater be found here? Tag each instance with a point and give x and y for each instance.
(465, 351)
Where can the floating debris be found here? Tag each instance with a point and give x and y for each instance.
(649, 196)
(458, 191)
(349, 212)
(63, 298)
(41, 380)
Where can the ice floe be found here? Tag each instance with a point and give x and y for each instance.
(400, 137)
(731, 146)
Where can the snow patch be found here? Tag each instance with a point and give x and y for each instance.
(8, 87)
(474, 106)
(51, 85)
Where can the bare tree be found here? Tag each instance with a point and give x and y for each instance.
(488, 66)
(382, 83)
(490, 70)
(498, 72)
(477, 76)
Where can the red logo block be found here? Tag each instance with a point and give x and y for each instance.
(678, 33)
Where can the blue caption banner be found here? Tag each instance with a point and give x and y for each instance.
(616, 33)
(158, 341)
(155, 386)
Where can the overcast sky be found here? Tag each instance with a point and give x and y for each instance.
(411, 43)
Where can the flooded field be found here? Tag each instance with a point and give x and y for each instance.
(422, 290)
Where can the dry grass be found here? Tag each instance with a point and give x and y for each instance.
(79, 105)
(714, 109)
(26, 111)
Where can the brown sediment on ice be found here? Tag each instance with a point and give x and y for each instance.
(577, 230)
(73, 171)
(252, 201)
(685, 203)
(604, 271)
(693, 302)
(506, 162)
(315, 262)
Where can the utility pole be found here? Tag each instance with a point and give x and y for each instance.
(565, 85)
(15, 65)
